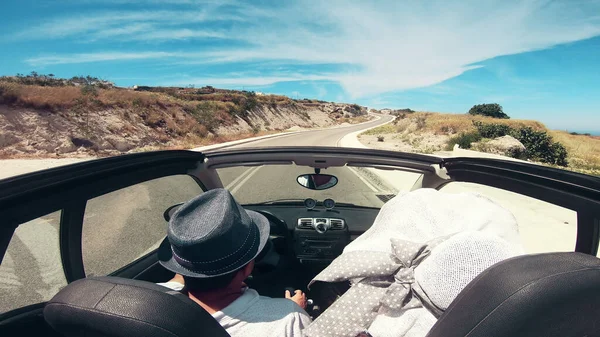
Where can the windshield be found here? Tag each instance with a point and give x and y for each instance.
(364, 187)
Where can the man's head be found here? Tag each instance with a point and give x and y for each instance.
(213, 237)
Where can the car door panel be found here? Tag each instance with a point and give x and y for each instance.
(67, 189)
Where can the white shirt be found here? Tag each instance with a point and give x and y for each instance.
(255, 315)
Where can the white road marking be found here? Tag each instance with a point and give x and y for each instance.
(235, 189)
(240, 177)
(373, 188)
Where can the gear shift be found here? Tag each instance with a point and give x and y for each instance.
(311, 308)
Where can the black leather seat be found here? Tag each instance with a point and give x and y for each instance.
(547, 295)
(115, 307)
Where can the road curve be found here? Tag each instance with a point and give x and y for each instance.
(324, 137)
(248, 184)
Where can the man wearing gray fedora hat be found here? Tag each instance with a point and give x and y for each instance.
(211, 246)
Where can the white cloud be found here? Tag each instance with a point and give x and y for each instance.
(232, 80)
(391, 45)
(96, 57)
(127, 24)
(321, 90)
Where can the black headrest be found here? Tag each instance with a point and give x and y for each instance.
(110, 306)
(556, 294)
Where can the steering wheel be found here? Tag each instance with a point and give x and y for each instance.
(279, 228)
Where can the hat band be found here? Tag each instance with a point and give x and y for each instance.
(222, 265)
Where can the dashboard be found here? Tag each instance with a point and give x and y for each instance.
(319, 234)
(357, 220)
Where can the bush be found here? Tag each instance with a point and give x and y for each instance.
(579, 134)
(205, 114)
(492, 130)
(380, 138)
(355, 109)
(250, 103)
(89, 89)
(517, 153)
(8, 96)
(464, 140)
(539, 146)
(421, 122)
(490, 110)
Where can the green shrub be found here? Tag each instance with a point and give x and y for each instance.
(517, 153)
(491, 110)
(492, 130)
(8, 96)
(205, 114)
(380, 138)
(539, 146)
(250, 102)
(421, 122)
(464, 140)
(89, 89)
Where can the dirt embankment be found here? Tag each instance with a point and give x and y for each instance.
(71, 121)
(435, 133)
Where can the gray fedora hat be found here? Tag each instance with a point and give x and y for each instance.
(212, 235)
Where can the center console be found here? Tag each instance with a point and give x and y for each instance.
(320, 240)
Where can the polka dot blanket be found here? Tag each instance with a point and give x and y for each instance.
(424, 247)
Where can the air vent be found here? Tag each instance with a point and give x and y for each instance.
(385, 197)
(336, 224)
(305, 223)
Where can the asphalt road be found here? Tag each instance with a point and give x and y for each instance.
(121, 226)
(275, 182)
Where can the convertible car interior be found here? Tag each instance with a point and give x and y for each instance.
(318, 201)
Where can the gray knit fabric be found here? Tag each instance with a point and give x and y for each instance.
(456, 261)
(400, 284)
(426, 214)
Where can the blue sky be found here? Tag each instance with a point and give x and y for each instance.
(539, 59)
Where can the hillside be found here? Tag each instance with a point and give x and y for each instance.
(41, 116)
(428, 132)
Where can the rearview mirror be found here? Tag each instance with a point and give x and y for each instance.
(317, 181)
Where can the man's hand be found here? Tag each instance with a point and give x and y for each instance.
(299, 297)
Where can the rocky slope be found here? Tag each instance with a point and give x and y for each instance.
(46, 121)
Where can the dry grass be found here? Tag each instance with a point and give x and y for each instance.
(457, 123)
(66, 97)
(37, 97)
(127, 98)
(584, 151)
(384, 129)
(447, 124)
(176, 110)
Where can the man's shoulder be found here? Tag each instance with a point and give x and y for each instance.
(275, 314)
(282, 304)
(273, 308)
